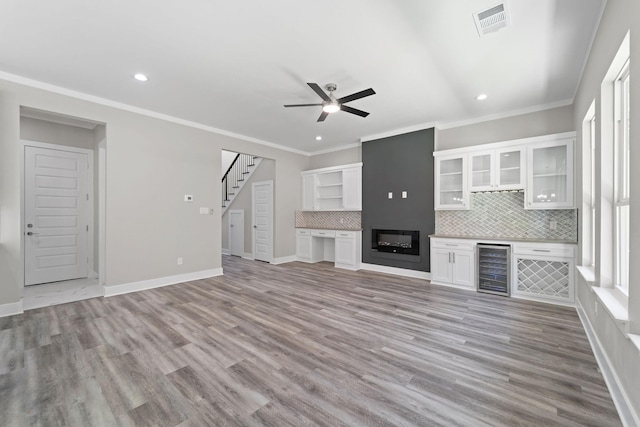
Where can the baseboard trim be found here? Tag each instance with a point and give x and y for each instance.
(284, 260)
(620, 399)
(225, 251)
(396, 271)
(142, 285)
(11, 309)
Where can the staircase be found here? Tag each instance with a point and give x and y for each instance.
(234, 179)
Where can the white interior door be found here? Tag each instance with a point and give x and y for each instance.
(236, 232)
(262, 195)
(56, 210)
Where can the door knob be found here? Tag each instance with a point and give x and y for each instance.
(255, 226)
(31, 233)
(30, 225)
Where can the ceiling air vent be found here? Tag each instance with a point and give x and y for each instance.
(492, 19)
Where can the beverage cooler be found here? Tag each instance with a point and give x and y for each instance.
(494, 272)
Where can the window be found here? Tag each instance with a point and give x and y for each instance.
(621, 172)
(589, 188)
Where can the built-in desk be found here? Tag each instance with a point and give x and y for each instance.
(342, 247)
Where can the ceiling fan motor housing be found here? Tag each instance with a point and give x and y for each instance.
(331, 87)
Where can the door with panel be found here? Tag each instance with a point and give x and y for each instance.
(262, 195)
(56, 215)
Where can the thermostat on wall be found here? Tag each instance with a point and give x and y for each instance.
(188, 198)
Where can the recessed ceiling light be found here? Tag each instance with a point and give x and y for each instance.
(481, 97)
(140, 77)
(318, 138)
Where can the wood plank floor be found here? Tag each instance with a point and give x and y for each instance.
(297, 345)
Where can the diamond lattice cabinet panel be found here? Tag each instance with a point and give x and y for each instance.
(502, 215)
(538, 277)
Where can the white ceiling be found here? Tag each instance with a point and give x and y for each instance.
(233, 64)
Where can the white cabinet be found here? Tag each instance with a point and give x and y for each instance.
(450, 182)
(544, 272)
(345, 247)
(308, 190)
(307, 249)
(499, 169)
(453, 262)
(332, 189)
(348, 249)
(550, 175)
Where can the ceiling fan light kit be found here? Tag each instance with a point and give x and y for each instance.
(332, 105)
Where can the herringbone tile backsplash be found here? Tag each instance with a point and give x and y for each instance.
(332, 220)
(502, 215)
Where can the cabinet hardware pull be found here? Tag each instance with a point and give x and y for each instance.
(454, 257)
(541, 250)
(450, 244)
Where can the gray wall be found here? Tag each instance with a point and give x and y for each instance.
(546, 122)
(336, 158)
(150, 164)
(395, 164)
(266, 171)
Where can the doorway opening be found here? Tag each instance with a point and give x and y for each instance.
(239, 239)
(63, 162)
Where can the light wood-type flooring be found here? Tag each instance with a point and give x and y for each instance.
(296, 345)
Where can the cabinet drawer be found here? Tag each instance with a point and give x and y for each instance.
(453, 245)
(323, 233)
(346, 234)
(562, 251)
(303, 232)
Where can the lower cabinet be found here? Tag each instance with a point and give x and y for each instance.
(453, 263)
(543, 272)
(347, 245)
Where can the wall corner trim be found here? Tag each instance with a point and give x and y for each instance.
(618, 395)
(142, 285)
(396, 271)
(11, 309)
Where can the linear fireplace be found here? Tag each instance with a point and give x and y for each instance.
(395, 241)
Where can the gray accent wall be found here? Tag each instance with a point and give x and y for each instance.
(396, 164)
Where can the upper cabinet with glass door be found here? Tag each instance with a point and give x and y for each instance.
(550, 175)
(499, 169)
(451, 183)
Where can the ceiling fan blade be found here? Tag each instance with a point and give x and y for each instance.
(317, 89)
(323, 116)
(355, 111)
(357, 95)
(302, 105)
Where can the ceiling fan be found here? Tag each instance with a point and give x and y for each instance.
(331, 105)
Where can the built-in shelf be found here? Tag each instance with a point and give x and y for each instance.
(546, 175)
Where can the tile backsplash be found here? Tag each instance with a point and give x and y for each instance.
(503, 215)
(332, 220)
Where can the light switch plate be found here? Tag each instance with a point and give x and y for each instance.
(404, 194)
(390, 195)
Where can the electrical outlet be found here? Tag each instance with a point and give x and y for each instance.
(341, 220)
(180, 261)
(553, 225)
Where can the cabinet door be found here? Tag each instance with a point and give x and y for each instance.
(463, 268)
(545, 278)
(481, 171)
(303, 247)
(509, 171)
(345, 251)
(441, 265)
(550, 175)
(451, 186)
(352, 189)
(308, 192)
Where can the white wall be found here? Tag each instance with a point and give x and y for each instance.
(151, 163)
(619, 17)
(545, 122)
(227, 158)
